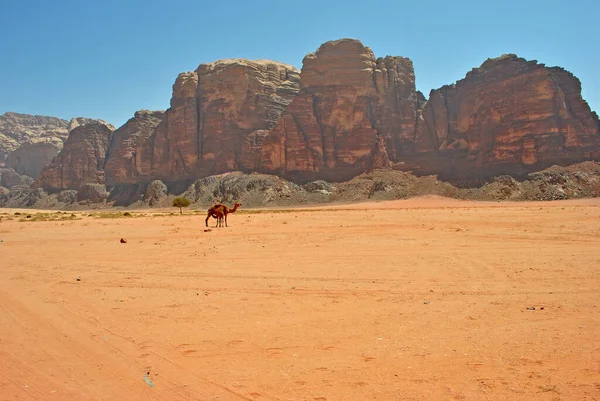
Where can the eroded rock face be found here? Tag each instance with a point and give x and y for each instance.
(129, 157)
(33, 155)
(213, 111)
(16, 129)
(353, 112)
(506, 116)
(80, 162)
(347, 112)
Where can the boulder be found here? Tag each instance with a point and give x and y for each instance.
(155, 192)
(10, 178)
(92, 193)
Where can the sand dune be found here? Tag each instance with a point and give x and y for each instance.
(422, 299)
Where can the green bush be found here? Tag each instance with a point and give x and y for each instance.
(181, 202)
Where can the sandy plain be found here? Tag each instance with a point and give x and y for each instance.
(423, 299)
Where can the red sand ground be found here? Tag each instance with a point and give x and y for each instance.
(423, 299)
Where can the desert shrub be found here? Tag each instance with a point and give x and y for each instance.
(181, 202)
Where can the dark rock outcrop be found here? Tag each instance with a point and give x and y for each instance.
(10, 178)
(155, 192)
(80, 162)
(92, 193)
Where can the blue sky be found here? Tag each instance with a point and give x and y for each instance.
(107, 59)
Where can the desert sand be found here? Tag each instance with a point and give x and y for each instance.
(425, 299)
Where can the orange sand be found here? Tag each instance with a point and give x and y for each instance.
(423, 299)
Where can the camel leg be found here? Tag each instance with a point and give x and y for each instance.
(207, 217)
(225, 220)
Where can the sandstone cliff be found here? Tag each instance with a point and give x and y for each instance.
(213, 111)
(509, 115)
(33, 155)
(129, 157)
(346, 112)
(353, 112)
(80, 162)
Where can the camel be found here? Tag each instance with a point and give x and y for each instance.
(220, 212)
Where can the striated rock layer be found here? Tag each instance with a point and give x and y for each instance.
(353, 112)
(80, 162)
(509, 115)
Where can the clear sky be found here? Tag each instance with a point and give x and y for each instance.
(108, 58)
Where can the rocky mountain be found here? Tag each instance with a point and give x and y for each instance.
(80, 162)
(353, 113)
(344, 113)
(16, 129)
(509, 116)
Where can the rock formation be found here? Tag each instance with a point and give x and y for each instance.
(129, 158)
(9, 178)
(353, 112)
(92, 193)
(33, 155)
(80, 162)
(345, 113)
(16, 129)
(213, 111)
(155, 192)
(509, 115)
